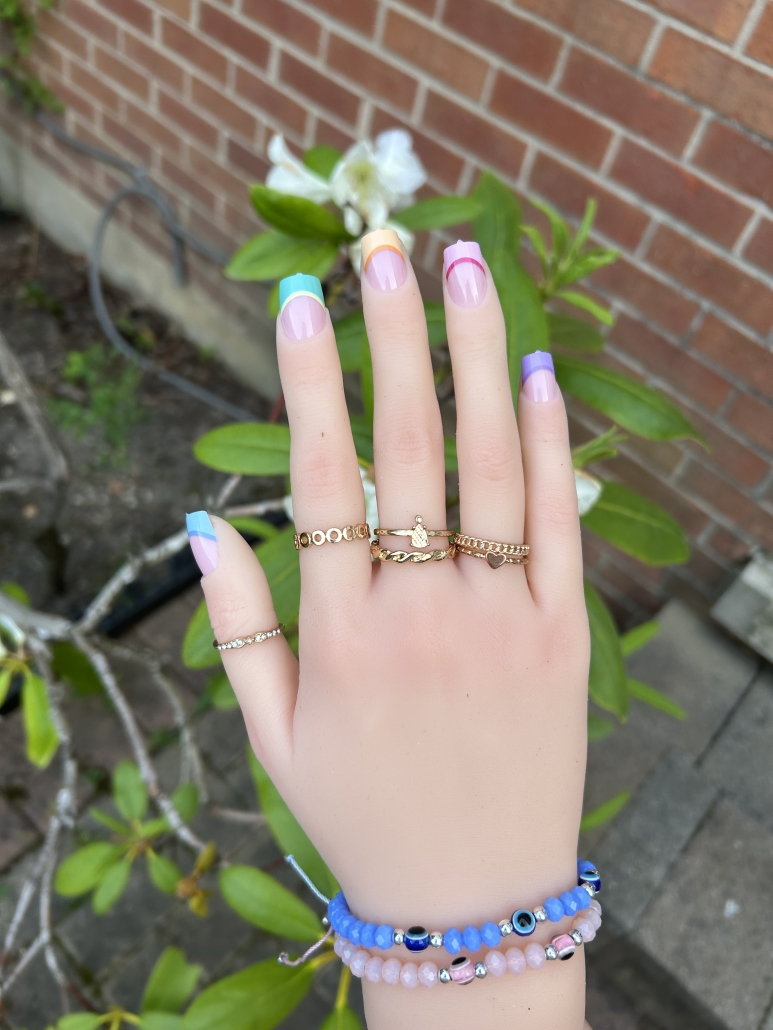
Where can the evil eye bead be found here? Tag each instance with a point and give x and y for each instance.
(399, 937)
(462, 970)
(436, 939)
(444, 976)
(591, 878)
(505, 927)
(583, 866)
(416, 939)
(564, 946)
(524, 922)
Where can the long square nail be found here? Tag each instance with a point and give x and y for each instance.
(465, 273)
(538, 380)
(302, 306)
(201, 534)
(383, 264)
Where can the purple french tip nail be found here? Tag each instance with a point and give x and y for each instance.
(538, 377)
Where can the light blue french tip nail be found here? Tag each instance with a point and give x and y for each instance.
(539, 359)
(199, 523)
(308, 285)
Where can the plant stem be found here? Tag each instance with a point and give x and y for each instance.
(342, 997)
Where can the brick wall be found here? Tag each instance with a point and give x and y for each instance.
(662, 110)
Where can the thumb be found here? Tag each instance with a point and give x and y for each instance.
(264, 675)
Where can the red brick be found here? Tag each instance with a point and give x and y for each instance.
(371, 73)
(629, 587)
(187, 182)
(712, 576)
(182, 8)
(213, 235)
(47, 59)
(247, 161)
(443, 164)
(741, 356)
(285, 21)
(550, 119)
(754, 419)
(360, 14)
(495, 147)
(740, 161)
(761, 43)
(653, 298)
(150, 128)
(153, 61)
(720, 18)
(518, 41)
(606, 24)
(724, 497)
(71, 99)
(137, 14)
(728, 545)
(234, 35)
(129, 140)
(435, 55)
(715, 79)
(569, 190)
(206, 169)
(93, 86)
(665, 456)
(705, 273)
(223, 109)
(425, 6)
(58, 31)
(92, 21)
(189, 122)
(331, 136)
(635, 104)
(193, 49)
(759, 249)
(686, 513)
(319, 88)
(685, 195)
(727, 454)
(279, 105)
(663, 359)
(119, 71)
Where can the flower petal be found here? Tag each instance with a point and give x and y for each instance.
(399, 168)
(289, 175)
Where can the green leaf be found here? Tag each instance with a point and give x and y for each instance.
(436, 322)
(154, 827)
(362, 432)
(607, 682)
(72, 666)
(264, 902)
(171, 982)
(498, 226)
(655, 699)
(83, 869)
(246, 448)
(280, 564)
(109, 822)
(366, 381)
(574, 333)
(129, 792)
(601, 447)
(583, 231)
(297, 216)
(637, 637)
(161, 1021)
(42, 738)
(558, 227)
(635, 407)
(256, 998)
(197, 649)
(637, 526)
(254, 527)
(322, 160)
(438, 213)
(80, 1021)
(163, 872)
(272, 304)
(535, 236)
(604, 812)
(525, 318)
(221, 693)
(598, 727)
(186, 800)
(587, 264)
(449, 449)
(273, 255)
(350, 337)
(6, 675)
(287, 831)
(579, 300)
(16, 591)
(342, 1019)
(111, 886)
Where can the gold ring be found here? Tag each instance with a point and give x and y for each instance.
(331, 536)
(494, 552)
(415, 557)
(256, 638)
(419, 534)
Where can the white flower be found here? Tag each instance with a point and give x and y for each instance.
(289, 175)
(588, 490)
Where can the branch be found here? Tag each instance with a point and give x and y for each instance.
(47, 627)
(257, 509)
(226, 491)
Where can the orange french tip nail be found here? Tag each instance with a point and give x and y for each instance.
(379, 239)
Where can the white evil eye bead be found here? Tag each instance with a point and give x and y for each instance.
(524, 922)
(416, 939)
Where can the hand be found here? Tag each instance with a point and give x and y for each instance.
(432, 739)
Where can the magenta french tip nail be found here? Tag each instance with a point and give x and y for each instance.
(465, 273)
(538, 380)
(383, 264)
(302, 306)
(203, 541)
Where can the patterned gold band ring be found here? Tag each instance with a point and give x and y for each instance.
(331, 536)
(256, 638)
(414, 557)
(495, 559)
(477, 544)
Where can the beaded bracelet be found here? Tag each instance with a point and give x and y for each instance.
(523, 921)
(463, 970)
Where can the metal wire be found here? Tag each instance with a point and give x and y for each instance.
(292, 862)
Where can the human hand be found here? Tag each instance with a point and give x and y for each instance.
(431, 740)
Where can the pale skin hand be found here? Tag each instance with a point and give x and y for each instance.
(432, 739)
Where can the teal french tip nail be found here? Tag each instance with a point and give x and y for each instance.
(203, 541)
(198, 523)
(302, 306)
(306, 285)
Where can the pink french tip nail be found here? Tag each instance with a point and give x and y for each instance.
(465, 273)
(201, 534)
(537, 376)
(383, 263)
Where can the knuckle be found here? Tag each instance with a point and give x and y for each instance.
(559, 511)
(320, 472)
(493, 460)
(411, 445)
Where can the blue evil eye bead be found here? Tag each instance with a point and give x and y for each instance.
(345, 923)
(554, 909)
(368, 934)
(581, 896)
(384, 936)
(591, 877)
(453, 941)
(524, 923)
(472, 938)
(583, 866)
(416, 939)
(355, 930)
(569, 902)
(491, 934)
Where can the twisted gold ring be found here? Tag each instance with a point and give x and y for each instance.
(331, 536)
(419, 534)
(415, 557)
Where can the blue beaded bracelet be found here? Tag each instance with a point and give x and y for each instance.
(523, 921)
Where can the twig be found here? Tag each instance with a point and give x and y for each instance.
(226, 491)
(237, 815)
(257, 509)
(24, 961)
(22, 485)
(45, 626)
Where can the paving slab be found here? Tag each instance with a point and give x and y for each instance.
(711, 926)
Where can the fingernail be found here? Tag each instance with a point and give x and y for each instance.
(465, 274)
(302, 306)
(201, 534)
(383, 264)
(538, 380)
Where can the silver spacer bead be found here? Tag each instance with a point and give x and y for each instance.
(436, 939)
(399, 937)
(540, 914)
(444, 976)
(480, 970)
(325, 922)
(505, 927)
(576, 937)
(550, 953)
(589, 888)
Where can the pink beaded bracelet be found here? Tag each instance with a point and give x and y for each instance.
(463, 970)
